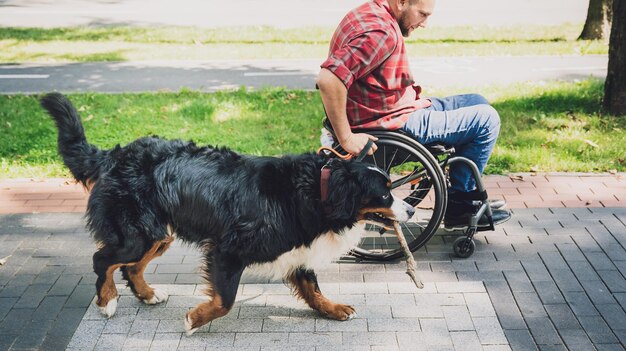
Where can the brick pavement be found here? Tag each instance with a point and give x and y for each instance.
(520, 191)
(552, 278)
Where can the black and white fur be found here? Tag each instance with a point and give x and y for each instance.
(264, 213)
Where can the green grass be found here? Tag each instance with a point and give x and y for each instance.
(552, 127)
(81, 44)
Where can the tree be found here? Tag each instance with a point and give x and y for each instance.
(615, 85)
(598, 22)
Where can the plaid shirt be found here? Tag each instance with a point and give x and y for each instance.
(368, 54)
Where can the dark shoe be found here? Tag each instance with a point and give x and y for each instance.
(460, 210)
(461, 221)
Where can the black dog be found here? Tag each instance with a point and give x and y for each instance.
(280, 216)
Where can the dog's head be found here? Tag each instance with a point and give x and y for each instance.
(358, 191)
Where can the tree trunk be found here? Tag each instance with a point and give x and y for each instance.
(615, 85)
(598, 22)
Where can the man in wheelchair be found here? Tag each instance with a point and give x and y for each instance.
(366, 84)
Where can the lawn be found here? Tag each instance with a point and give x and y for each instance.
(545, 127)
(119, 43)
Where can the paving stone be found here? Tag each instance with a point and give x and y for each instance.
(6, 303)
(409, 288)
(597, 330)
(580, 304)
(67, 322)
(466, 340)
(111, 342)
(614, 315)
(518, 281)
(598, 292)
(16, 320)
(454, 299)
(325, 339)
(487, 276)
(200, 339)
(479, 305)
(614, 280)
(87, 335)
(571, 252)
(460, 287)
(33, 335)
(390, 300)
(81, 296)
(393, 325)
(583, 270)
(576, 339)
(609, 347)
(529, 304)
(565, 280)
(435, 332)
(562, 316)
(536, 270)
(543, 331)
(548, 292)
(141, 334)
(419, 311)
(505, 306)
(290, 324)
(365, 312)
(263, 311)
(489, 330)
(559, 347)
(165, 341)
(6, 340)
(458, 318)
(520, 340)
(370, 338)
(224, 325)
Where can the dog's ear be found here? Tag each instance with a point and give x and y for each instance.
(344, 192)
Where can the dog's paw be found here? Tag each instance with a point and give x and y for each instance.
(341, 312)
(110, 308)
(159, 296)
(189, 330)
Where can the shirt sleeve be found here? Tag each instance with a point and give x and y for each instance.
(360, 55)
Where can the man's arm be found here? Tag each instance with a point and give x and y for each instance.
(334, 97)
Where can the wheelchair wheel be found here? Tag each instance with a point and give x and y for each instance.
(416, 178)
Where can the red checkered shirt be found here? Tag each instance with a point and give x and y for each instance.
(368, 54)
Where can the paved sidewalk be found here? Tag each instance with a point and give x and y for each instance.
(520, 191)
(552, 278)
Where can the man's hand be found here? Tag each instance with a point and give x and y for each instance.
(354, 143)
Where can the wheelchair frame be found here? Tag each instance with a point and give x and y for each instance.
(464, 245)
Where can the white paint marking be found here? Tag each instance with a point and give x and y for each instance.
(267, 74)
(24, 76)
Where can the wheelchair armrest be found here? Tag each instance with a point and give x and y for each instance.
(434, 148)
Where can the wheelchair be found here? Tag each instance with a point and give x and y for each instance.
(419, 176)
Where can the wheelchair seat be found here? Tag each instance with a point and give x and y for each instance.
(435, 149)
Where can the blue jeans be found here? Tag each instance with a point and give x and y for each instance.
(468, 123)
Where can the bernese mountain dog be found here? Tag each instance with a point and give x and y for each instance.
(279, 216)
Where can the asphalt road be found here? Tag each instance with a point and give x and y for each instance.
(298, 74)
(279, 13)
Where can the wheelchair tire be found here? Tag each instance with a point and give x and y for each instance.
(418, 179)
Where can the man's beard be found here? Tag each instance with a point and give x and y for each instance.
(402, 23)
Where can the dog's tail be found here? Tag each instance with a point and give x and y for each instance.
(83, 159)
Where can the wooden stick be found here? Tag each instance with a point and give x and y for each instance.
(410, 261)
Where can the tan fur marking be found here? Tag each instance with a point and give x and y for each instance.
(207, 311)
(108, 291)
(135, 270)
(306, 290)
(89, 184)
